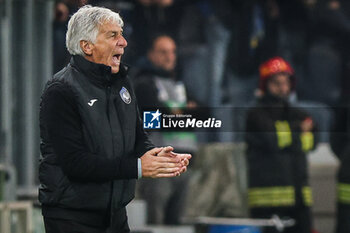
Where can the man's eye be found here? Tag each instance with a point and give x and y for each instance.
(116, 34)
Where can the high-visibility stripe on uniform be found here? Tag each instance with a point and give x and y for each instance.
(271, 196)
(307, 141)
(307, 196)
(343, 193)
(284, 134)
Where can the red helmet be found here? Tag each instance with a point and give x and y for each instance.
(274, 66)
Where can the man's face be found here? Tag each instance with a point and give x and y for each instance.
(109, 46)
(279, 85)
(163, 53)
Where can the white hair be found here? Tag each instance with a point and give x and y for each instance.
(84, 25)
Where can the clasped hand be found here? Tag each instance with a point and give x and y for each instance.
(163, 162)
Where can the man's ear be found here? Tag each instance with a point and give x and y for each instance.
(87, 47)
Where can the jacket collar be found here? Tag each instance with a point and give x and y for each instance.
(99, 74)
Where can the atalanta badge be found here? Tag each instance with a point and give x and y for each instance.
(125, 95)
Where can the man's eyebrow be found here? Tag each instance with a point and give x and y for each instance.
(116, 32)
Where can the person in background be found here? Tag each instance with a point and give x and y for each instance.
(60, 54)
(278, 136)
(157, 87)
(340, 145)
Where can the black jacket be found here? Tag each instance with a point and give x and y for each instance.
(277, 165)
(91, 137)
(339, 141)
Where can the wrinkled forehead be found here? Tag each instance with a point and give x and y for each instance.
(109, 25)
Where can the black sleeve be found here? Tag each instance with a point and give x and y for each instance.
(143, 144)
(62, 122)
(299, 115)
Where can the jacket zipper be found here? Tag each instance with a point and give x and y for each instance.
(110, 207)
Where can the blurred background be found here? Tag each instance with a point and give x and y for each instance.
(219, 47)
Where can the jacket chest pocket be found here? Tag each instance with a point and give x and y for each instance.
(127, 115)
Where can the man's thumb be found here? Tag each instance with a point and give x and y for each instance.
(155, 150)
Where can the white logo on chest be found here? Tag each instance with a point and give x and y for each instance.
(92, 102)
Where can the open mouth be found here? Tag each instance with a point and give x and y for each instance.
(116, 58)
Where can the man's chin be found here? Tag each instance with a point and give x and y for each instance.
(115, 69)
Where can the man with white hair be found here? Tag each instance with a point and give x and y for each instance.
(93, 145)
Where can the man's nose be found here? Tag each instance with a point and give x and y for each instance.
(122, 42)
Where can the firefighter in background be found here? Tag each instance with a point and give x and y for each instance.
(278, 138)
(340, 143)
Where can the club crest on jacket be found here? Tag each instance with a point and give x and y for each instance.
(125, 95)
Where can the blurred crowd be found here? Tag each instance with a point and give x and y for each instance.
(221, 43)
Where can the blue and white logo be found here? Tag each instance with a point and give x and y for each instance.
(125, 95)
(151, 119)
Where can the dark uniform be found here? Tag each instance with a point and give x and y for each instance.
(340, 139)
(277, 163)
